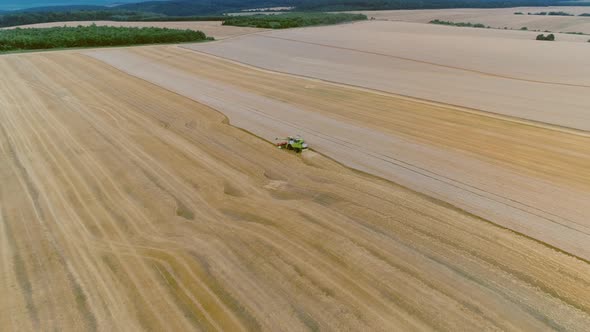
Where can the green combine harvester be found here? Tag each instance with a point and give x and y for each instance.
(296, 143)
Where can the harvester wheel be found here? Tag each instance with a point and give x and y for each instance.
(289, 147)
(297, 150)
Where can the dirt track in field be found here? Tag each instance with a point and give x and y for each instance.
(124, 207)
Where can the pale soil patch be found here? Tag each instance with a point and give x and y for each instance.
(496, 17)
(210, 28)
(492, 70)
(125, 207)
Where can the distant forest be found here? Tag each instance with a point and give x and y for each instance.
(204, 7)
(212, 10)
(210, 7)
(24, 18)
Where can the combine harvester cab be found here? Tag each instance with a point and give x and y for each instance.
(292, 143)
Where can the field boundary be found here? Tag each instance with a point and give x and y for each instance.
(455, 107)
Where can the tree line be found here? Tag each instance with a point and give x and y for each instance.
(291, 20)
(25, 18)
(459, 24)
(558, 13)
(92, 36)
(204, 7)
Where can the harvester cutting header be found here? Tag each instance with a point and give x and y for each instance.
(292, 143)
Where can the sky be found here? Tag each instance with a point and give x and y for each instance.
(21, 4)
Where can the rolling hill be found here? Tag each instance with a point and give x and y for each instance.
(208, 7)
(14, 5)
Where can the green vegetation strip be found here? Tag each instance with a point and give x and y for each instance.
(92, 36)
(459, 24)
(291, 20)
(560, 13)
